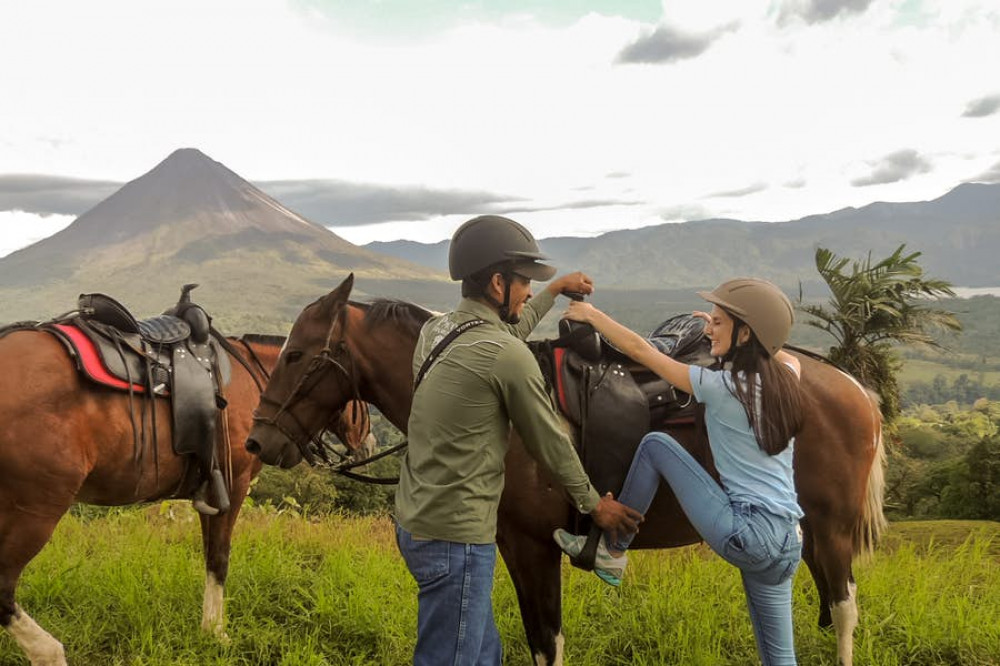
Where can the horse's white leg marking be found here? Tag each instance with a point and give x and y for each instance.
(845, 618)
(39, 646)
(540, 660)
(213, 608)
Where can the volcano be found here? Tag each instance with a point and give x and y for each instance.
(191, 219)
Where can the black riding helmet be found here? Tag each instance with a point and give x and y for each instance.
(491, 243)
(491, 239)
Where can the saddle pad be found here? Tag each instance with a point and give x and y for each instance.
(90, 361)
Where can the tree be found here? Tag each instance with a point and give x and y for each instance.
(873, 307)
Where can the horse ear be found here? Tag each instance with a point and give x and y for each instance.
(338, 296)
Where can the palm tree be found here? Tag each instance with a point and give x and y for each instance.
(872, 308)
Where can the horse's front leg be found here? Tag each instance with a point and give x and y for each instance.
(534, 567)
(217, 533)
(530, 509)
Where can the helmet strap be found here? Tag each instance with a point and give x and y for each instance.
(505, 314)
(503, 308)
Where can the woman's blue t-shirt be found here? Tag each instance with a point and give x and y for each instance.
(747, 472)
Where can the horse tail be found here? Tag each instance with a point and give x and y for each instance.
(872, 523)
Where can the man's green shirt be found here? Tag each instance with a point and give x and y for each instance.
(486, 380)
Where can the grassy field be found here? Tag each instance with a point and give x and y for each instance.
(126, 589)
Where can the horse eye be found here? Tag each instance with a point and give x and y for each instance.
(293, 357)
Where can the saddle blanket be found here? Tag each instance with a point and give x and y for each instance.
(90, 360)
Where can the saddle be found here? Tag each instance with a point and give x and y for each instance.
(172, 356)
(611, 402)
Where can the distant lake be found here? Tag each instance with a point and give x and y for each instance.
(969, 292)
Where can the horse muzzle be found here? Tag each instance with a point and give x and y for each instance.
(272, 447)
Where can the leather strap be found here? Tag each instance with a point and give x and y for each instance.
(457, 331)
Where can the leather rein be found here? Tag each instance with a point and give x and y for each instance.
(309, 440)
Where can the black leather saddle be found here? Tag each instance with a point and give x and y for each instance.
(173, 354)
(612, 402)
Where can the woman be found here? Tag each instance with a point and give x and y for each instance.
(752, 413)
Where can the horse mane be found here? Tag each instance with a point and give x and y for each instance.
(391, 310)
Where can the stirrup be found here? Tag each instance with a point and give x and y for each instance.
(200, 501)
(200, 498)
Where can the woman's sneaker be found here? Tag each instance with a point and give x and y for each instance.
(607, 567)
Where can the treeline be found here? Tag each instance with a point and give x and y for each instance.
(964, 389)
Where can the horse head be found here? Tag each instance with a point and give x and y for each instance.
(312, 382)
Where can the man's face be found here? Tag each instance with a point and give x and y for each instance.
(520, 292)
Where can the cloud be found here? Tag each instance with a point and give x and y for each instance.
(984, 106)
(820, 11)
(894, 167)
(583, 204)
(52, 195)
(667, 44)
(753, 188)
(336, 203)
(991, 175)
(684, 213)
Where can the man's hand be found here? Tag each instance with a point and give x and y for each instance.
(579, 283)
(616, 518)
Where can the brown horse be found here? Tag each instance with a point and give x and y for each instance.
(64, 439)
(340, 350)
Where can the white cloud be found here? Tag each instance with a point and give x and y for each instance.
(107, 88)
(19, 229)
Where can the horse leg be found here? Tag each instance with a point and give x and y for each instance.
(217, 533)
(534, 567)
(22, 536)
(819, 578)
(833, 553)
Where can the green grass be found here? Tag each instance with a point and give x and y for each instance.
(126, 589)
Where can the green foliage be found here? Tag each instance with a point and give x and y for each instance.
(973, 489)
(873, 307)
(941, 466)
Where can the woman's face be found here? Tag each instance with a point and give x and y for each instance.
(719, 330)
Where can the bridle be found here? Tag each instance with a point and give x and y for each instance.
(334, 355)
(331, 356)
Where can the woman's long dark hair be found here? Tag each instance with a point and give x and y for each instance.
(770, 382)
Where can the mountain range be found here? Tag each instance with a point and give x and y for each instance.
(958, 235)
(191, 219)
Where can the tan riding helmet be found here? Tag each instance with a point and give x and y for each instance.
(759, 303)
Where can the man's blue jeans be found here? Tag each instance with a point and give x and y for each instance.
(455, 625)
(766, 547)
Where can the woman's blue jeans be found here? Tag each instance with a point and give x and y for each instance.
(455, 625)
(766, 547)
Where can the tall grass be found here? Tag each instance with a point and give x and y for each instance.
(126, 589)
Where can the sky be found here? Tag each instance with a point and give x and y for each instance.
(400, 119)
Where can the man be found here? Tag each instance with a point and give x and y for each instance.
(451, 478)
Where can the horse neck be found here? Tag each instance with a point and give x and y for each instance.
(384, 357)
(261, 356)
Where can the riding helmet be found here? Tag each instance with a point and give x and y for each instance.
(758, 303)
(491, 239)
